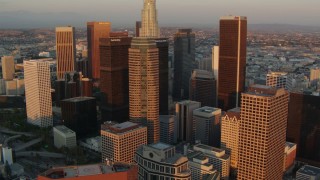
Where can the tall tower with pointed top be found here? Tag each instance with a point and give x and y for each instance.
(149, 25)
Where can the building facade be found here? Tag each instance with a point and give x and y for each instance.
(65, 50)
(290, 153)
(119, 142)
(185, 122)
(184, 62)
(203, 88)
(232, 60)
(95, 31)
(149, 22)
(276, 79)
(168, 132)
(114, 76)
(38, 93)
(144, 85)
(8, 70)
(264, 112)
(64, 137)
(308, 172)
(160, 161)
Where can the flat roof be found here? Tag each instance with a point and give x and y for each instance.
(79, 99)
(160, 146)
(89, 170)
(203, 146)
(309, 170)
(207, 109)
(124, 125)
(64, 129)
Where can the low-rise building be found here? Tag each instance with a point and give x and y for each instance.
(290, 152)
(93, 144)
(308, 173)
(64, 137)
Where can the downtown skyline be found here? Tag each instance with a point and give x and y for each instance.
(34, 14)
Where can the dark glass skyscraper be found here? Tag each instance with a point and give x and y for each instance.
(114, 80)
(232, 60)
(184, 62)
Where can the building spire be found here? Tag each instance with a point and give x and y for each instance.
(149, 15)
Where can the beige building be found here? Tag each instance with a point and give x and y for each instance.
(149, 23)
(264, 112)
(144, 85)
(200, 167)
(64, 137)
(38, 93)
(230, 132)
(15, 87)
(65, 50)
(7, 67)
(314, 76)
(277, 79)
(119, 142)
(217, 157)
(185, 121)
(160, 161)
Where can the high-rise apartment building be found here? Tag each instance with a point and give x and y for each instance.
(168, 131)
(207, 122)
(119, 142)
(163, 46)
(264, 112)
(184, 62)
(185, 122)
(276, 79)
(160, 161)
(232, 60)
(114, 77)
(8, 70)
(95, 31)
(38, 93)
(144, 85)
(203, 88)
(230, 133)
(217, 157)
(65, 50)
(149, 23)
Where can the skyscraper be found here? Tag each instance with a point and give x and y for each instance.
(38, 93)
(114, 77)
(264, 112)
(149, 23)
(203, 88)
(185, 122)
(65, 50)
(138, 27)
(144, 85)
(232, 60)
(184, 62)
(163, 46)
(8, 70)
(95, 31)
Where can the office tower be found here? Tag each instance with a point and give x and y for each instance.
(217, 157)
(83, 66)
(144, 85)
(65, 50)
(314, 76)
(138, 27)
(264, 112)
(94, 171)
(200, 167)
(230, 132)
(114, 77)
(207, 125)
(184, 62)
(232, 60)
(185, 122)
(203, 88)
(149, 23)
(215, 61)
(38, 93)
(95, 31)
(290, 152)
(168, 131)
(277, 79)
(64, 137)
(163, 46)
(308, 172)
(160, 161)
(303, 128)
(120, 141)
(8, 69)
(80, 115)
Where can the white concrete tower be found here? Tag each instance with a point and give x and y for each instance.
(149, 15)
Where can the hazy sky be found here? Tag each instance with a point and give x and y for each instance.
(49, 13)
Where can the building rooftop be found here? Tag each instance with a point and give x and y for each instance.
(188, 102)
(78, 99)
(277, 74)
(202, 146)
(85, 170)
(202, 74)
(64, 129)
(117, 128)
(233, 17)
(263, 90)
(206, 111)
(124, 125)
(161, 146)
(309, 170)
